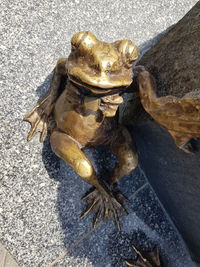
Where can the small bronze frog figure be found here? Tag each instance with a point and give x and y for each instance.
(85, 110)
(145, 259)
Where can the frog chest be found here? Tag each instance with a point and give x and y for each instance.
(74, 115)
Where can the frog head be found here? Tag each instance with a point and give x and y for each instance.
(100, 67)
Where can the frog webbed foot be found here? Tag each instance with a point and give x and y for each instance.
(38, 117)
(105, 207)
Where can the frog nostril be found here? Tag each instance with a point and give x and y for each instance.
(108, 65)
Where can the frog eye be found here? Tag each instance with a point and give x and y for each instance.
(129, 52)
(83, 41)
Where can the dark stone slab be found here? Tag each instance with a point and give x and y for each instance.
(146, 226)
(175, 176)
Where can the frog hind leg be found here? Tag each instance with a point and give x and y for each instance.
(101, 201)
(182, 141)
(122, 146)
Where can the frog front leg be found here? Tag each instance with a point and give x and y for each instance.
(39, 115)
(102, 203)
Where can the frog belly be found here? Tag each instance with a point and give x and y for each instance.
(84, 129)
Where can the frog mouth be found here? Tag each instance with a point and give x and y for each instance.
(86, 89)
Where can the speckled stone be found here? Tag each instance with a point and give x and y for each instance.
(40, 196)
(146, 227)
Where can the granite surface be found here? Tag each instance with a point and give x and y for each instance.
(175, 177)
(40, 196)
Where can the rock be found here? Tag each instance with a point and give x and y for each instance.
(175, 63)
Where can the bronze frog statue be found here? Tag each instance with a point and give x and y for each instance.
(85, 110)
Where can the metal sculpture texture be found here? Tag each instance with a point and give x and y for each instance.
(83, 100)
(145, 259)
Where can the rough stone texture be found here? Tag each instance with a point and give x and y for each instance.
(174, 60)
(146, 226)
(40, 195)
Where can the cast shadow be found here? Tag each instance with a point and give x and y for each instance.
(43, 88)
(144, 47)
(123, 244)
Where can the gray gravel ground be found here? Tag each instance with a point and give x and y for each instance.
(40, 196)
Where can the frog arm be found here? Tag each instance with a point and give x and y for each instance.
(59, 73)
(38, 117)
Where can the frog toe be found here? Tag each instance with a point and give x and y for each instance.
(105, 208)
(118, 194)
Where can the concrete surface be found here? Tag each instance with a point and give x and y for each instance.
(40, 196)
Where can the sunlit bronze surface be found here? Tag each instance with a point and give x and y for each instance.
(83, 100)
(180, 116)
(101, 64)
(145, 259)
